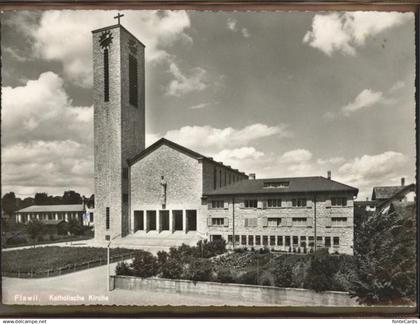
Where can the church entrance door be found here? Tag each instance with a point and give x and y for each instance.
(151, 220)
(191, 220)
(164, 220)
(177, 215)
(138, 220)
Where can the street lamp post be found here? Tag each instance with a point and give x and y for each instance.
(108, 270)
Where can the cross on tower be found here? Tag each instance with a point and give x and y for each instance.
(118, 17)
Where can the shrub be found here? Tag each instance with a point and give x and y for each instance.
(144, 264)
(123, 269)
(282, 273)
(206, 249)
(199, 270)
(162, 258)
(171, 269)
(75, 227)
(321, 270)
(225, 276)
(248, 278)
(17, 240)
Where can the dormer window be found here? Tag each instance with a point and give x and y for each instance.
(282, 184)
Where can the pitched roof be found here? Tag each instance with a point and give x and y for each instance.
(52, 208)
(385, 192)
(295, 185)
(180, 148)
(398, 194)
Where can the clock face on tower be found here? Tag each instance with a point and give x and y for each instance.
(105, 39)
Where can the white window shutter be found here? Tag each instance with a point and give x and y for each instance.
(226, 223)
(209, 223)
(246, 222)
(242, 204)
(254, 221)
(226, 204)
(289, 221)
(309, 203)
(264, 204)
(260, 204)
(264, 221)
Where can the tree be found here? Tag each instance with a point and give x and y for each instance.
(9, 203)
(321, 270)
(74, 227)
(35, 229)
(386, 257)
(72, 197)
(144, 264)
(41, 198)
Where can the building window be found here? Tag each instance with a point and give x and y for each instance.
(257, 240)
(230, 238)
(287, 240)
(237, 239)
(214, 178)
(107, 218)
(311, 241)
(274, 221)
(250, 240)
(106, 75)
(319, 241)
(90, 217)
(299, 220)
(132, 80)
(283, 184)
(302, 241)
(336, 241)
(339, 201)
(125, 198)
(219, 221)
(273, 203)
(243, 239)
(251, 203)
(272, 240)
(265, 240)
(279, 240)
(295, 240)
(338, 220)
(327, 241)
(299, 202)
(217, 204)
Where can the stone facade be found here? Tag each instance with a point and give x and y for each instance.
(186, 175)
(318, 215)
(119, 130)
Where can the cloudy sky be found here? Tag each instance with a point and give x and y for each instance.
(278, 94)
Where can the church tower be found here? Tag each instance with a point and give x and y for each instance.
(119, 124)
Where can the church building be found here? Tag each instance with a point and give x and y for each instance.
(169, 194)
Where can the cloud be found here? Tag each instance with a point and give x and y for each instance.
(65, 36)
(233, 25)
(397, 86)
(200, 106)
(14, 54)
(344, 32)
(47, 142)
(208, 139)
(296, 156)
(334, 160)
(373, 170)
(364, 99)
(184, 84)
(41, 110)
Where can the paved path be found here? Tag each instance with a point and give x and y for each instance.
(89, 287)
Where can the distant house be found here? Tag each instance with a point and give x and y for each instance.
(50, 213)
(384, 193)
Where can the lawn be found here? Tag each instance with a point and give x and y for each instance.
(53, 260)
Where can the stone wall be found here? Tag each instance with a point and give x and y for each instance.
(236, 214)
(235, 292)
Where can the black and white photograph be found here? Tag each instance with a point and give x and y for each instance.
(208, 158)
